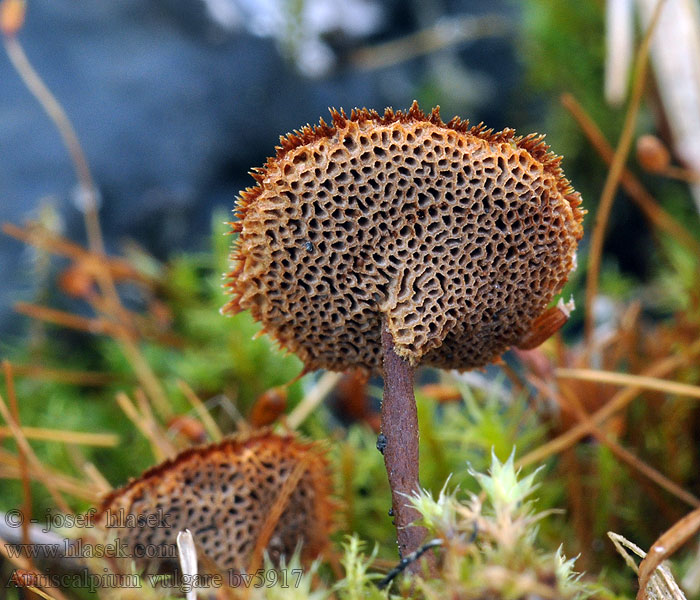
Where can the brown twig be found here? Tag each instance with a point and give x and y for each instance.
(399, 446)
(613, 180)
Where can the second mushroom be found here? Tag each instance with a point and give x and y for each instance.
(384, 242)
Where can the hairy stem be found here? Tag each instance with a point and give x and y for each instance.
(400, 445)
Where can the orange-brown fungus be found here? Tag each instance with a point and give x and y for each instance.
(223, 493)
(456, 237)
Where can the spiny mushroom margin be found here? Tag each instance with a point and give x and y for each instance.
(223, 493)
(457, 237)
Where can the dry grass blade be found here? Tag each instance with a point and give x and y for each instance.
(38, 236)
(66, 319)
(56, 113)
(82, 438)
(40, 592)
(157, 431)
(85, 378)
(137, 419)
(202, 412)
(26, 488)
(649, 383)
(146, 376)
(97, 325)
(622, 544)
(665, 546)
(98, 479)
(616, 169)
(313, 398)
(648, 471)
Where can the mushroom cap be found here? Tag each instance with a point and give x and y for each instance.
(223, 493)
(455, 237)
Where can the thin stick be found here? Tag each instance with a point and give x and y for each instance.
(204, 416)
(83, 438)
(649, 383)
(97, 478)
(616, 168)
(67, 319)
(400, 434)
(443, 34)
(634, 188)
(316, 394)
(56, 113)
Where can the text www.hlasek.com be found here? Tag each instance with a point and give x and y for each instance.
(80, 549)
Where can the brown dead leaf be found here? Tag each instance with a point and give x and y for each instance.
(665, 546)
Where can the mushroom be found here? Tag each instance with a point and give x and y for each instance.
(384, 242)
(225, 495)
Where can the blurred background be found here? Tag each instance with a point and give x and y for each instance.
(174, 101)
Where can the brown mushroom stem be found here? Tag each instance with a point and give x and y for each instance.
(400, 430)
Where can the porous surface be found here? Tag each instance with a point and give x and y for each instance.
(455, 237)
(223, 493)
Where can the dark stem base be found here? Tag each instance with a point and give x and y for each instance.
(400, 446)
